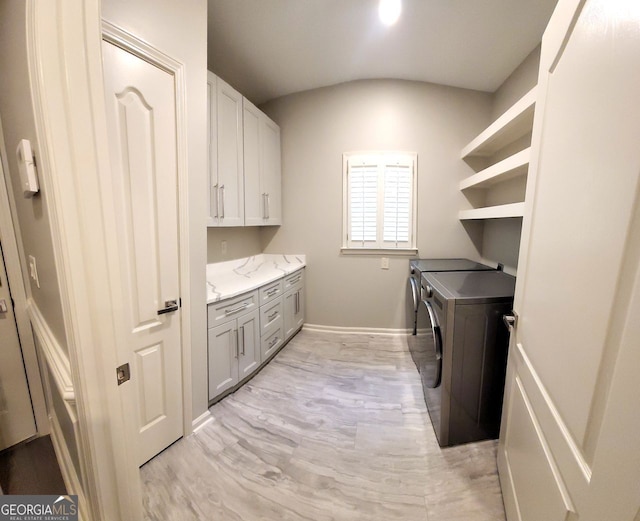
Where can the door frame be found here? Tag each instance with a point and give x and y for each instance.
(64, 39)
(14, 265)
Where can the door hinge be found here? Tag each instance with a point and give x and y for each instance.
(123, 374)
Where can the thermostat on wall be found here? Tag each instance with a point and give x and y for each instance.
(26, 165)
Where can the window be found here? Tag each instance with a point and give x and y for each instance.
(379, 201)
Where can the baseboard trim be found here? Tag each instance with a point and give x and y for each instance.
(201, 421)
(356, 330)
(67, 468)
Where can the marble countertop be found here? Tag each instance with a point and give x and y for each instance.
(230, 278)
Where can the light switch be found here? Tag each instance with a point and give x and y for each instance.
(33, 270)
(384, 263)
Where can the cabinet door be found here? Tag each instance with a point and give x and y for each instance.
(293, 312)
(289, 312)
(271, 170)
(212, 140)
(223, 358)
(254, 196)
(298, 315)
(248, 344)
(230, 182)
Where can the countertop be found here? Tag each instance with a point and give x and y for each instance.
(230, 278)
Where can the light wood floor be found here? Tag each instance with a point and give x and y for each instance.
(334, 428)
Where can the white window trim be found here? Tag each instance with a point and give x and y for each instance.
(369, 249)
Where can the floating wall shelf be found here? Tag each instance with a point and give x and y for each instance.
(513, 124)
(509, 168)
(502, 211)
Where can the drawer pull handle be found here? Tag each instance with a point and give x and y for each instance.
(272, 317)
(235, 310)
(272, 292)
(294, 281)
(274, 342)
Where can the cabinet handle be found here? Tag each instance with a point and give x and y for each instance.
(264, 205)
(272, 292)
(268, 209)
(228, 312)
(242, 327)
(237, 351)
(294, 281)
(222, 201)
(272, 317)
(274, 342)
(297, 302)
(216, 196)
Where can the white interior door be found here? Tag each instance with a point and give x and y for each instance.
(569, 442)
(16, 414)
(141, 117)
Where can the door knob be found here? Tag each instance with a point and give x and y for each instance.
(510, 320)
(169, 306)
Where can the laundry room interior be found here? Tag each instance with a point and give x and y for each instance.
(282, 259)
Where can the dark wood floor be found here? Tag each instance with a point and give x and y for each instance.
(31, 468)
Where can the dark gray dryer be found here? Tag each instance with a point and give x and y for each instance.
(419, 266)
(461, 348)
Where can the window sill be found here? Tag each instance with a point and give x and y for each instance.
(382, 252)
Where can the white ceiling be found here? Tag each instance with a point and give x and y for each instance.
(270, 48)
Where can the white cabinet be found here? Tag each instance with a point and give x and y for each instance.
(226, 157)
(234, 352)
(245, 331)
(245, 172)
(293, 303)
(262, 168)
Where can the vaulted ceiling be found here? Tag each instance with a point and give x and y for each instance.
(270, 48)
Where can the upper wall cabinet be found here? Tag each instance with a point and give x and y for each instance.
(244, 160)
(226, 172)
(262, 170)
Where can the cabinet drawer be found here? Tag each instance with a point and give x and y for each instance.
(270, 291)
(271, 342)
(219, 312)
(294, 281)
(270, 314)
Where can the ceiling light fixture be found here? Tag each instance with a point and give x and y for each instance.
(389, 11)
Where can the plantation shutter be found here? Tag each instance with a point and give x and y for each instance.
(379, 201)
(397, 206)
(363, 203)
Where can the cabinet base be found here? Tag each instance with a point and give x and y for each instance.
(245, 380)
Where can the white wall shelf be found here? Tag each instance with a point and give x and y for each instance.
(502, 211)
(509, 168)
(513, 124)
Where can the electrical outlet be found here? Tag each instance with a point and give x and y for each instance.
(384, 263)
(223, 247)
(33, 270)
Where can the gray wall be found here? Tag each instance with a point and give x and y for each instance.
(501, 238)
(241, 242)
(317, 128)
(180, 30)
(519, 82)
(16, 114)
